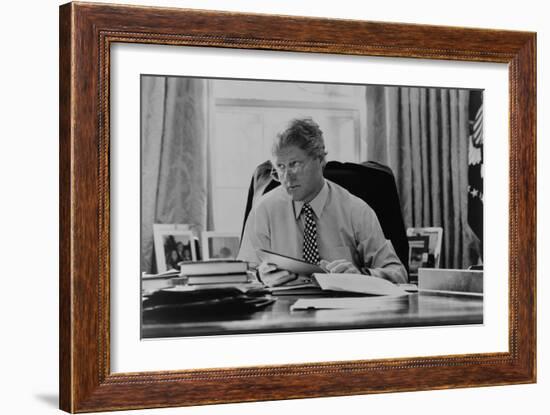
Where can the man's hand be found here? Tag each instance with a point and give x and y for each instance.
(273, 276)
(339, 266)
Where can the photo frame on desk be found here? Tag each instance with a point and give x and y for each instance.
(90, 250)
(174, 243)
(220, 245)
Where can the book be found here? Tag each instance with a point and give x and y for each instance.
(418, 253)
(375, 294)
(166, 274)
(294, 265)
(150, 283)
(212, 279)
(357, 283)
(299, 286)
(216, 267)
(338, 285)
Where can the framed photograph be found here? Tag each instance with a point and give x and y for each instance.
(168, 116)
(435, 238)
(418, 254)
(220, 245)
(173, 244)
(425, 243)
(244, 117)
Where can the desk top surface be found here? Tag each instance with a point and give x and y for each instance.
(414, 310)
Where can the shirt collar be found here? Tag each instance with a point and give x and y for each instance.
(317, 204)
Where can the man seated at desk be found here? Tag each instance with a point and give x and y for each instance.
(313, 218)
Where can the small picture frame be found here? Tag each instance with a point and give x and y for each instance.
(174, 243)
(418, 254)
(434, 238)
(220, 245)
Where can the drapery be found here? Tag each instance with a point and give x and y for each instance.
(423, 135)
(174, 158)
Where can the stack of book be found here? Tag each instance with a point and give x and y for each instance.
(212, 272)
(154, 282)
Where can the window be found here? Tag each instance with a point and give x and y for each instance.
(246, 117)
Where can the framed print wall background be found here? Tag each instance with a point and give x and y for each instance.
(94, 261)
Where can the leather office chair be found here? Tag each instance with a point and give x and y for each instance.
(370, 181)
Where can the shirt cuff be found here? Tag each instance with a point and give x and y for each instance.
(365, 271)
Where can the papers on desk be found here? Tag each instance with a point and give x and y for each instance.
(346, 303)
(380, 291)
(166, 274)
(185, 301)
(356, 283)
(294, 265)
(244, 287)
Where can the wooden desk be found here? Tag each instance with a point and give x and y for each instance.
(418, 309)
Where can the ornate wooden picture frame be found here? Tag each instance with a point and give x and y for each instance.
(87, 32)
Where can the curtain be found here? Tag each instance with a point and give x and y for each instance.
(475, 166)
(173, 157)
(423, 135)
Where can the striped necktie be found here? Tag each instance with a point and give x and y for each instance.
(310, 251)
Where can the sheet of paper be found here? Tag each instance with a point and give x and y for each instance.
(351, 303)
(357, 283)
(294, 265)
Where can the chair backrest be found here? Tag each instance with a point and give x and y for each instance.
(370, 181)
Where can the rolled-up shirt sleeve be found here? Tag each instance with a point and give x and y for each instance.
(256, 235)
(376, 252)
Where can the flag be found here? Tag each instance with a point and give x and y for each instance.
(475, 165)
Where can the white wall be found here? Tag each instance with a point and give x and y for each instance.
(242, 126)
(28, 163)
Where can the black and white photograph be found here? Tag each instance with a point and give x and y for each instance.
(350, 206)
(220, 245)
(173, 244)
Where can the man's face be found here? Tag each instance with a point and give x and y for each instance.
(300, 175)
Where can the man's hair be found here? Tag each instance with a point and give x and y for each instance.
(303, 133)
